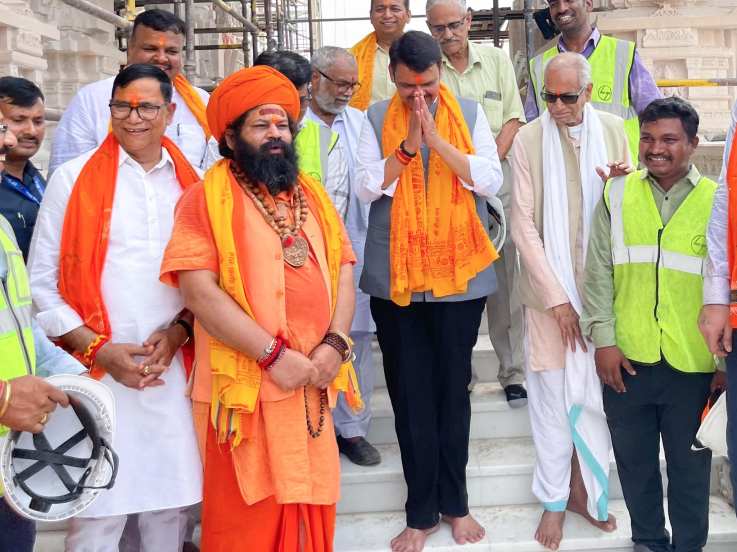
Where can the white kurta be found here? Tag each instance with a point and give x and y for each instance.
(159, 461)
(86, 122)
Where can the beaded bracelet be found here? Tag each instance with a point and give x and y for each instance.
(6, 391)
(341, 343)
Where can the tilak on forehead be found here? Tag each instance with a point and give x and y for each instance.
(272, 111)
(418, 80)
(131, 97)
(161, 41)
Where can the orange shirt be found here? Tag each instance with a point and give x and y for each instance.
(280, 459)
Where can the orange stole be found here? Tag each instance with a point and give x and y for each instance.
(230, 525)
(732, 230)
(437, 242)
(194, 102)
(86, 232)
(365, 53)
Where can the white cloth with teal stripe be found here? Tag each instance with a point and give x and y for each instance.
(583, 392)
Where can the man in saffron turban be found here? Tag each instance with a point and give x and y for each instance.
(262, 259)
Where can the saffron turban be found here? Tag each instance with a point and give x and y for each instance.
(248, 88)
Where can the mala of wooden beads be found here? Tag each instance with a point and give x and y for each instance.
(294, 246)
(315, 433)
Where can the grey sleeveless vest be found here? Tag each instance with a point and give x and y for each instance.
(376, 272)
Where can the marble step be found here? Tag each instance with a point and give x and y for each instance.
(491, 416)
(484, 360)
(499, 473)
(512, 529)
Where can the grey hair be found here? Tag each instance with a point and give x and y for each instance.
(326, 56)
(432, 3)
(572, 60)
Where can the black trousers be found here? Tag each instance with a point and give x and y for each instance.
(17, 534)
(427, 362)
(662, 402)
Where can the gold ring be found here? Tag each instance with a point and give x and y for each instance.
(146, 370)
(44, 418)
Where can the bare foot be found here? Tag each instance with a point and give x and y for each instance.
(411, 540)
(550, 530)
(578, 507)
(465, 529)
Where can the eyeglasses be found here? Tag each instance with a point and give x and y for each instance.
(567, 98)
(439, 30)
(146, 111)
(342, 85)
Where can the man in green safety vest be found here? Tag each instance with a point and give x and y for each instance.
(622, 84)
(25, 399)
(643, 293)
(319, 151)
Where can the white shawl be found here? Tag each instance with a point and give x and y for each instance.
(583, 391)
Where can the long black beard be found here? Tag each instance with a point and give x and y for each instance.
(278, 172)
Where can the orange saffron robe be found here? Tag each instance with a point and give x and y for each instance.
(278, 461)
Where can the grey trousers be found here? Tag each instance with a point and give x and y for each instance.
(347, 423)
(161, 531)
(503, 309)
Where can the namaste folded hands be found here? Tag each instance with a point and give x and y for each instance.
(421, 127)
(294, 369)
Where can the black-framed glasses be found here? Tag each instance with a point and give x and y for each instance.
(569, 98)
(145, 111)
(439, 30)
(341, 85)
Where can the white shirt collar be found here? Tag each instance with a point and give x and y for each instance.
(123, 157)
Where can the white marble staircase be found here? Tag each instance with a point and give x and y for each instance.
(501, 462)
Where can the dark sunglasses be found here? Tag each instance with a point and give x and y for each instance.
(567, 98)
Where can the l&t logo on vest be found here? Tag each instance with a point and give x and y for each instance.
(698, 245)
(604, 92)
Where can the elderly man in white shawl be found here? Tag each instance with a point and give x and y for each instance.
(560, 162)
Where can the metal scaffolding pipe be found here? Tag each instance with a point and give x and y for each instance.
(270, 45)
(218, 30)
(101, 13)
(190, 64)
(529, 30)
(235, 15)
(244, 39)
(218, 47)
(678, 83)
(254, 36)
(311, 31)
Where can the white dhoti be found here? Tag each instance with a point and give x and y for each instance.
(551, 434)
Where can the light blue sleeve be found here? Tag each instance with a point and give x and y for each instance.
(50, 359)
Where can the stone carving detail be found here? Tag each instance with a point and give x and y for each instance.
(670, 38)
(665, 9)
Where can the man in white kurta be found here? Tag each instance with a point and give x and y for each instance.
(157, 38)
(160, 473)
(334, 78)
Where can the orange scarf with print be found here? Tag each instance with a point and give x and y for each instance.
(731, 184)
(194, 102)
(86, 232)
(365, 53)
(437, 241)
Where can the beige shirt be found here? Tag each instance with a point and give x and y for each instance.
(539, 289)
(382, 87)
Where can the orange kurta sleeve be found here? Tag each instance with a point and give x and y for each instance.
(191, 246)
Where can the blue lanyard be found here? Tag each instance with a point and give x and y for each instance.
(14, 184)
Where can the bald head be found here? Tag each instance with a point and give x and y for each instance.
(570, 63)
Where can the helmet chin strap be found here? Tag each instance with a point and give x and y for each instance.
(56, 459)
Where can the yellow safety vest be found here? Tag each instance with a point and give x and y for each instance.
(611, 64)
(17, 349)
(658, 273)
(313, 144)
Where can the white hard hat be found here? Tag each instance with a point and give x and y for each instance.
(497, 222)
(58, 473)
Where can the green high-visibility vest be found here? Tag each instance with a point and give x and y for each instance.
(611, 64)
(313, 144)
(658, 273)
(17, 350)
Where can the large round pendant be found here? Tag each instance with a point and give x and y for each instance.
(295, 254)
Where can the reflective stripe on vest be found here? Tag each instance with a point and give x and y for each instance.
(17, 349)
(658, 273)
(313, 144)
(611, 64)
